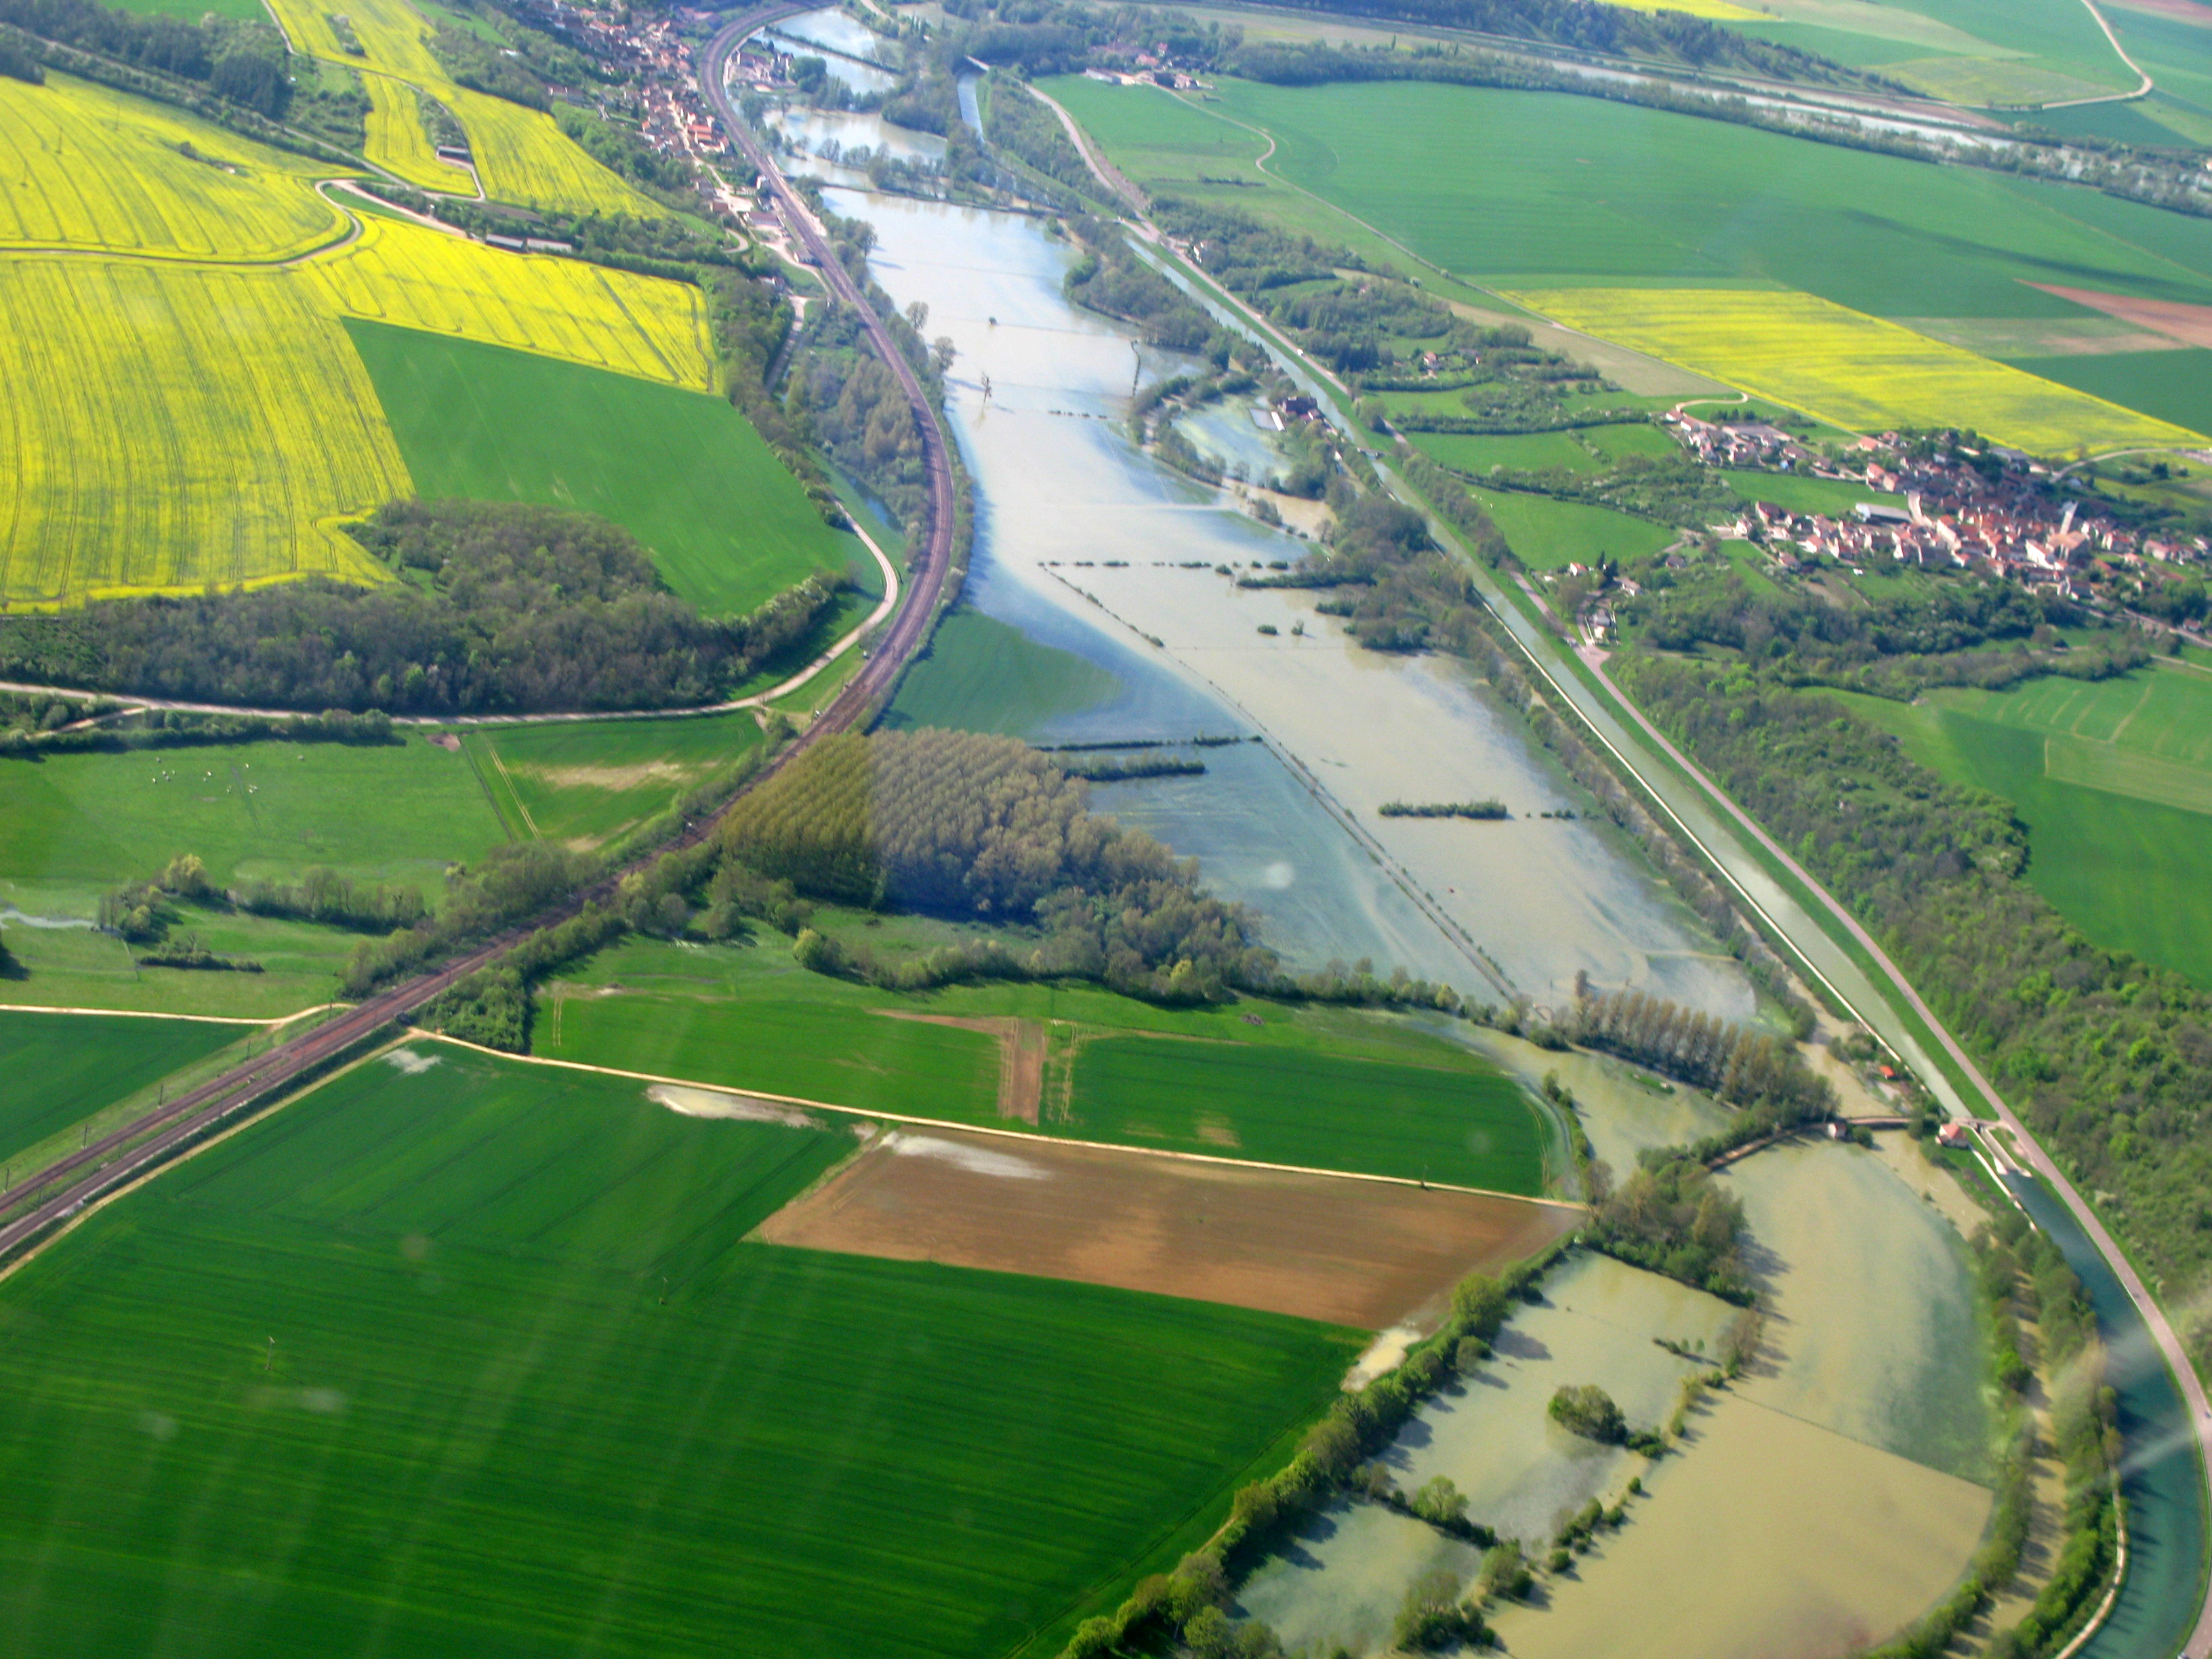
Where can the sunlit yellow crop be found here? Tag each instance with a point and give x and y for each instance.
(1850, 369)
(397, 138)
(1720, 11)
(166, 426)
(417, 277)
(83, 167)
(523, 156)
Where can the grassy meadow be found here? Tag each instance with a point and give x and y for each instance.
(983, 675)
(1319, 1087)
(682, 470)
(1796, 493)
(589, 781)
(1546, 534)
(1465, 1125)
(62, 1068)
(2114, 782)
(459, 1356)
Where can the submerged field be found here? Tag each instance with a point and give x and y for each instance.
(2114, 782)
(457, 1357)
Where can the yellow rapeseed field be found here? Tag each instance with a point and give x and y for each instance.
(1720, 11)
(1850, 369)
(166, 426)
(417, 278)
(523, 156)
(83, 167)
(396, 139)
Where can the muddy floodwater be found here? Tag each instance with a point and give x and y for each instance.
(1086, 542)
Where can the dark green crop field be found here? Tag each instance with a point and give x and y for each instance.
(1794, 494)
(61, 1068)
(682, 471)
(2114, 783)
(1469, 1127)
(592, 779)
(473, 1361)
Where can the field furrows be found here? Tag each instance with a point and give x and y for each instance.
(248, 424)
(421, 279)
(1856, 370)
(523, 156)
(87, 167)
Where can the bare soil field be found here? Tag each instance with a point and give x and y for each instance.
(1354, 1252)
(2191, 325)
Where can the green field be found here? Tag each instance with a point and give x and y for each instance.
(62, 1068)
(475, 1361)
(1467, 1126)
(1550, 535)
(2174, 385)
(397, 811)
(983, 675)
(592, 781)
(2114, 782)
(1830, 496)
(682, 470)
(1315, 1087)
(1479, 452)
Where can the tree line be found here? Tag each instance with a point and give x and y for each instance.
(2108, 1059)
(498, 609)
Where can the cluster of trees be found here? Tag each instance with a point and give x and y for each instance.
(1492, 809)
(17, 60)
(511, 884)
(501, 608)
(324, 896)
(623, 151)
(680, 248)
(1670, 1217)
(1763, 1073)
(241, 62)
(477, 64)
(2108, 1059)
(852, 403)
(1588, 1411)
(1110, 279)
(1025, 128)
(963, 824)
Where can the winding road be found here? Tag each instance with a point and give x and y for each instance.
(65, 1189)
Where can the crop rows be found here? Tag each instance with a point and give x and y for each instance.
(165, 427)
(396, 138)
(87, 167)
(1850, 369)
(417, 278)
(522, 156)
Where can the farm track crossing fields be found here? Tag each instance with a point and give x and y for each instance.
(1845, 367)
(62, 1068)
(229, 417)
(417, 278)
(528, 1383)
(81, 166)
(1359, 1253)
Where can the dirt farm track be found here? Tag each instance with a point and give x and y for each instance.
(1362, 1252)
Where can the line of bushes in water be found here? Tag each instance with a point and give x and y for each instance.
(1444, 809)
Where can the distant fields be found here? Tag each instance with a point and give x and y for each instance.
(984, 675)
(394, 812)
(530, 1393)
(1470, 1126)
(88, 167)
(61, 1068)
(1541, 193)
(1589, 449)
(2114, 782)
(171, 426)
(590, 781)
(682, 470)
(1855, 371)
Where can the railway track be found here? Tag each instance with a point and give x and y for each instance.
(65, 1189)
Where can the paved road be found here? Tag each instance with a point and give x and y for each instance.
(73, 1182)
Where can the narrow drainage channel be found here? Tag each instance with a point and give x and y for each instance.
(2167, 1529)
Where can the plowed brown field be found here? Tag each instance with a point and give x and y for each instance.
(1350, 1251)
